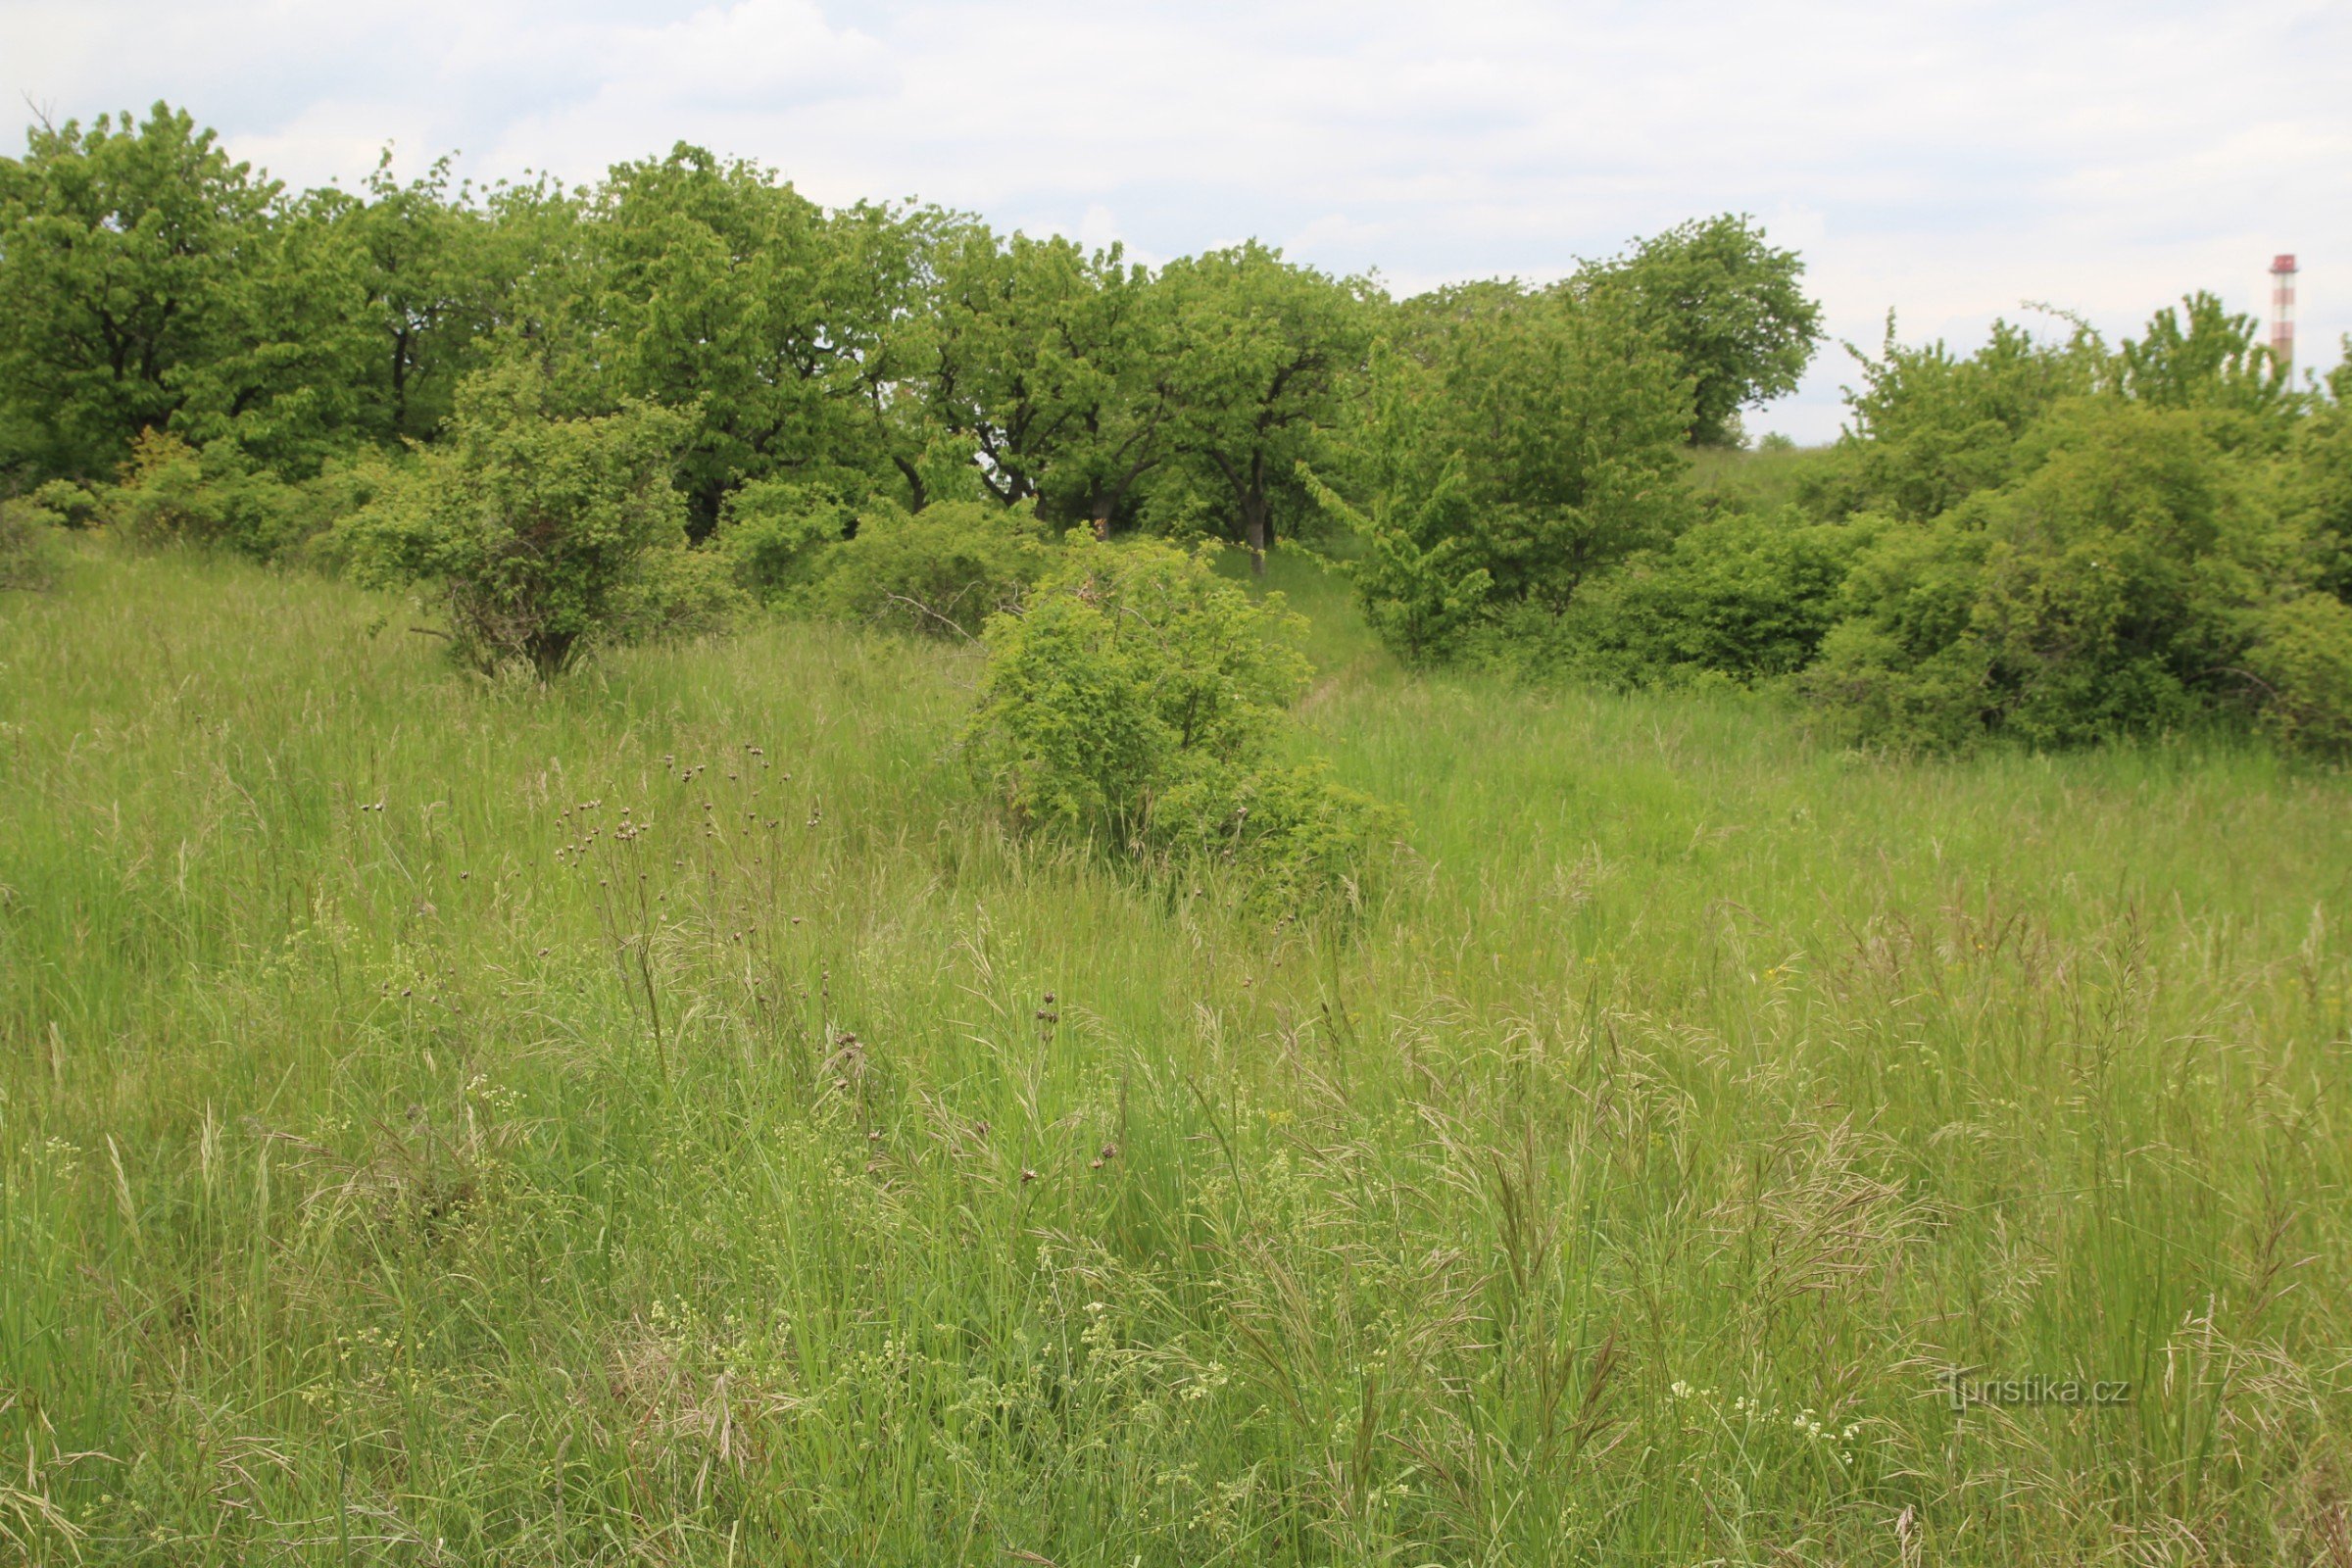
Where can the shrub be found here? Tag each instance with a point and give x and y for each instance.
(544, 535)
(941, 571)
(1746, 596)
(2102, 594)
(1141, 700)
(2320, 484)
(173, 493)
(1414, 578)
(30, 546)
(2302, 657)
(74, 505)
(773, 532)
(675, 595)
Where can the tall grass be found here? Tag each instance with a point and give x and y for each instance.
(663, 1117)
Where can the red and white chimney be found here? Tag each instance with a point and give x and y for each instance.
(2282, 310)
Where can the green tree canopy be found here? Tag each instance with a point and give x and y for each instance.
(1729, 306)
(1263, 349)
(147, 279)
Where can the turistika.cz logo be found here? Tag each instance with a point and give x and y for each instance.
(1965, 1387)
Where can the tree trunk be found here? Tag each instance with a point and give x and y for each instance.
(1254, 529)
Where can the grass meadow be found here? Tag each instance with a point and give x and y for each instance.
(665, 1118)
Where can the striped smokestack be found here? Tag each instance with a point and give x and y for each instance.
(2282, 310)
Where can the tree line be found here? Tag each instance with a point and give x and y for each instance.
(873, 352)
(631, 406)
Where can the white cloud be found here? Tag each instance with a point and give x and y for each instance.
(1949, 159)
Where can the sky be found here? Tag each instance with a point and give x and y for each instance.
(1946, 162)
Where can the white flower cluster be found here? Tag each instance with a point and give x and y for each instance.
(1751, 1414)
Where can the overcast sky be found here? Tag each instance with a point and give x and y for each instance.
(1945, 160)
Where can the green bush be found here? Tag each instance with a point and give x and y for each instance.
(30, 546)
(71, 504)
(675, 595)
(2319, 489)
(1746, 596)
(1141, 700)
(2302, 658)
(2102, 594)
(941, 571)
(544, 535)
(773, 532)
(171, 493)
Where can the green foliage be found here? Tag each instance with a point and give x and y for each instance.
(1747, 596)
(541, 534)
(1567, 416)
(941, 571)
(1414, 579)
(776, 530)
(31, 544)
(71, 504)
(1732, 309)
(434, 273)
(2301, 658)
(722, 292)
(2319, 483)
(1263, 349)
(171, 493)
(1930, 428)
(2215, 360)
(1052, 364)
(1141, 701)
(150, 283)
(2103, 593)
(1515, 445)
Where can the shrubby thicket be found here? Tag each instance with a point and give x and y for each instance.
(568, 415)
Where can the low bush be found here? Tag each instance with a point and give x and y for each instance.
(773, 532)
(1143, 701)
(1745, 596)
(72, 505)
(941, 571)
(171, 493)
(544, 535)
(2301, 658)
(30, 546)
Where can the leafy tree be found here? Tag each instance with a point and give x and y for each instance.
(1567, 416)
(1930, 428)
(1038, 358)
(543, 533)
(1261, 350)
(722, 291)
(428, 259)
(1415, 578)
(1048, 361)
(1730, 307)
(148, 280)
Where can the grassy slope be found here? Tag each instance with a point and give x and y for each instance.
(405, 1161)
